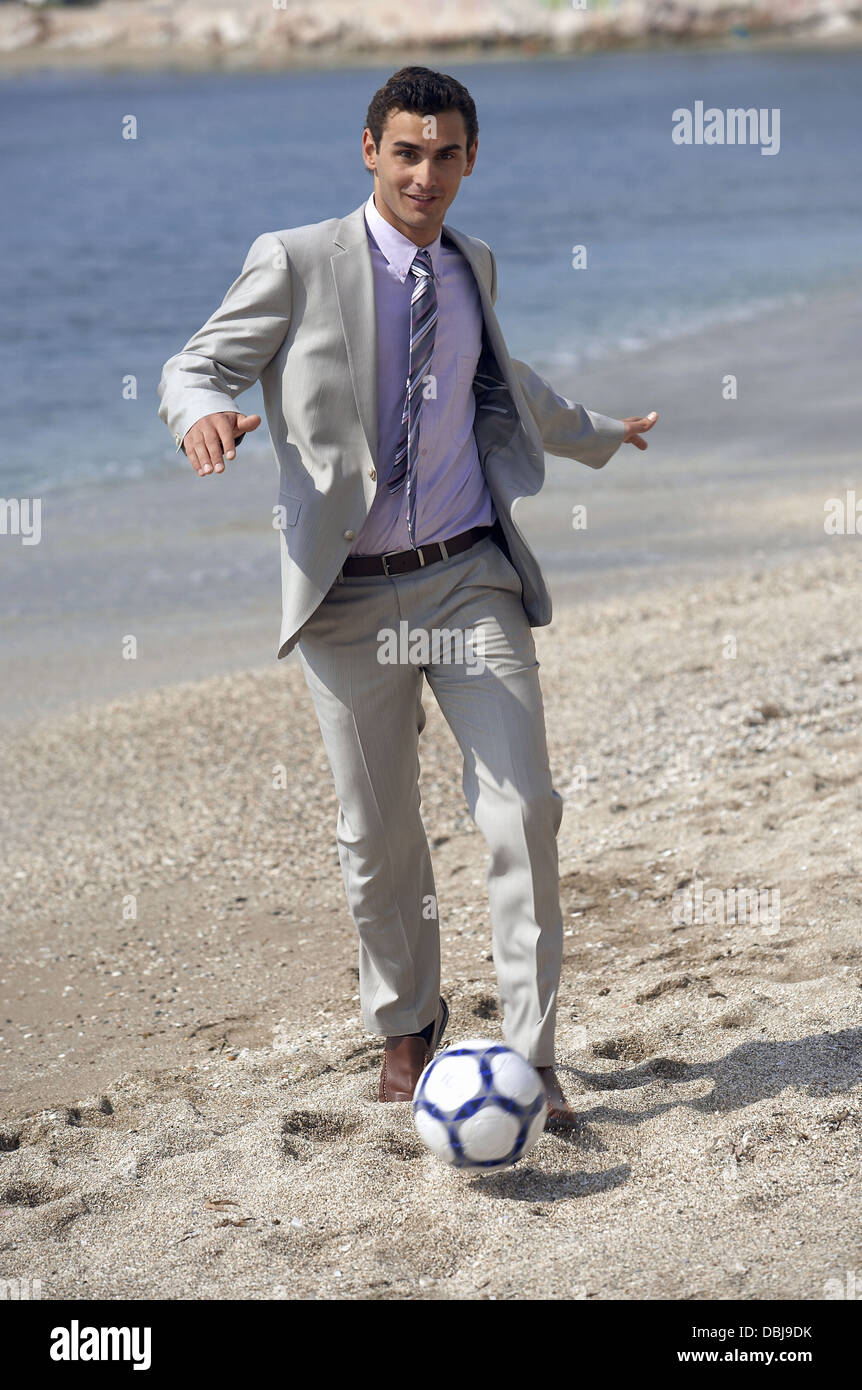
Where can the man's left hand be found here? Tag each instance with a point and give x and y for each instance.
(636, 425)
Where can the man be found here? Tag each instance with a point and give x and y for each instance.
(405, 435)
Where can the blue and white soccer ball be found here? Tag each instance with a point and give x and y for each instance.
(478, 1104)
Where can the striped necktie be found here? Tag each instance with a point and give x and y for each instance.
(423, 321)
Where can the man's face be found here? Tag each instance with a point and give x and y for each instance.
(418, 169)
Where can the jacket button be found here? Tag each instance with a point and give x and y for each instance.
(350, 535)
(372, 472)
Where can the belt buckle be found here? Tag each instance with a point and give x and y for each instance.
(385, 559)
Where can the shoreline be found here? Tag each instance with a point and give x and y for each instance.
(145, 62)
(209, 652)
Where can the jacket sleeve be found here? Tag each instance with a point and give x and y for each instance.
(568, 430)
(228, 354)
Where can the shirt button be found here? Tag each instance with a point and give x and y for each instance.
(350, 535)
(372, 472)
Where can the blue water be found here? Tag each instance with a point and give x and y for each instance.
(114, 251)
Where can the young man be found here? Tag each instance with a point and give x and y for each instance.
(405, 434)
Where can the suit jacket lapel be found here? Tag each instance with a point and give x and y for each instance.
(354, 286)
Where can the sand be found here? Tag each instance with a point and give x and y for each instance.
(188, 1094)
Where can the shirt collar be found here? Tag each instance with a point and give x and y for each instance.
(398, 249)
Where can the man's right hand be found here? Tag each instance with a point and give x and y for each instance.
(211, 439)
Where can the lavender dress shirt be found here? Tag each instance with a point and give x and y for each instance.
(451, 492)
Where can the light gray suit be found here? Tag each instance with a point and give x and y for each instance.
(301, 318)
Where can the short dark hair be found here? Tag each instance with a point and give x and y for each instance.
(425, 93)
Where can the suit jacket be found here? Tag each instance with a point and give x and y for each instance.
(300, 318)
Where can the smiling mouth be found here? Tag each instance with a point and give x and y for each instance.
(418, 198)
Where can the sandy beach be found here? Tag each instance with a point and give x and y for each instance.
(188, 1106)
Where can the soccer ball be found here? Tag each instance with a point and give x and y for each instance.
(478, 1104)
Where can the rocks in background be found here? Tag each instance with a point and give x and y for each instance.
(194, 33)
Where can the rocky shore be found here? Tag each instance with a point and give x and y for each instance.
(289, 33)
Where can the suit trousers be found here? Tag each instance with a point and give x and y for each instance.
(366, 651)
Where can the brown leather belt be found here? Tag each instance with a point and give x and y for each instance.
(403, 561)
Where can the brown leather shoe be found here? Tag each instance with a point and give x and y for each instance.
(406, 1057)
(560, 1113)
